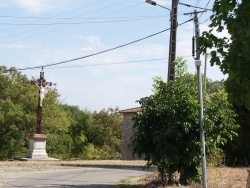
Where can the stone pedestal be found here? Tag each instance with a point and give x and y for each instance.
(37, 148)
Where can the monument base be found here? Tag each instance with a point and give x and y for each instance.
(37, 148)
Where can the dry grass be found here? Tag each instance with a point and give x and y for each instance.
(217, 178)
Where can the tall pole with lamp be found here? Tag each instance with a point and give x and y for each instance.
(172, 38)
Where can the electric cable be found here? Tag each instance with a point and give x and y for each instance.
(205, 8)
(57, 28)
(205, 21)
(88, 22)
(41, 19)
(101, 52)
(194, 6)
(11, 35)
(113, 63)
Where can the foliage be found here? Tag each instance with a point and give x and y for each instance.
(167, 130)
(15, 116)
(233, 17)
(232, 55)
(72, 132)
(18, 101)
(95, 135)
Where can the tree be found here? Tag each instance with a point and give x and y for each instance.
(232, 55)
(18, 102)
(16, 119)
(109, 122)
(56, 125)
(95, 135)
(167, 130)
(228, 15)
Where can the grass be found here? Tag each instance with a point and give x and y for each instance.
(218, 177)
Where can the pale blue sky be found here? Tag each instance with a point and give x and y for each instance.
(40, 32)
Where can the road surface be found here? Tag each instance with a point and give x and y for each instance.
(75, 178)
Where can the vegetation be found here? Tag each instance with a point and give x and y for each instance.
(232, 55)
(167, 130)
(73, 133)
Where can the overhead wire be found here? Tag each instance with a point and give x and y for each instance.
(11, 35)
(188, 5)
(113, 63)
(42, 18)
(205, 20)
(64, 26)
(101, 52)
(89, 22)
(73, 18)
(205, 8)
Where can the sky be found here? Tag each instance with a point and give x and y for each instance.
(36, 33)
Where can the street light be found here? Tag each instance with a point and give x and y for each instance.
(154, 3)
(172, 41)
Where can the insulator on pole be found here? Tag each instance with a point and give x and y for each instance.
(193, 43)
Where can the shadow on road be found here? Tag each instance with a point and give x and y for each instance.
(84, 186)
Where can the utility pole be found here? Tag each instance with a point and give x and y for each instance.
(172, 42)
(205, 70)
(200, 98)
(196, 54)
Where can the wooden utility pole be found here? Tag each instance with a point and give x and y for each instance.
(172, 41)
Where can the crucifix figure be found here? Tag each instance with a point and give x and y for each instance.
(41, 83)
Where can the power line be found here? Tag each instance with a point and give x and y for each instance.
(91, 22)
(101, 52)
(205, 20)
(205, 8)
(114, 63)
(194, 6)
(61, 27)
(70, 18)
(89, 5)
(6, 36)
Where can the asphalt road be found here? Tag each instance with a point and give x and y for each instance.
(75, 178)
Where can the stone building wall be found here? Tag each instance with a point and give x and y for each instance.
(127, 132)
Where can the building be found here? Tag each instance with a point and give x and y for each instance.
(127, 132)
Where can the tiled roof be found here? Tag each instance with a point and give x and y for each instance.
(131, 110)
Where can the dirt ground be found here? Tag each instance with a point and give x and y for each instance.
(217, 177)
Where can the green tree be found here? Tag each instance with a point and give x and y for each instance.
(16, 119)
(95, 135)
(228, 15)
(167, 130)
(81, 123)
(232, 55)
(56, 125)
(109, 123)
(18, 104)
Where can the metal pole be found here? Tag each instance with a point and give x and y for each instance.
(205, 70)
(172, 42)
(200, 99)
